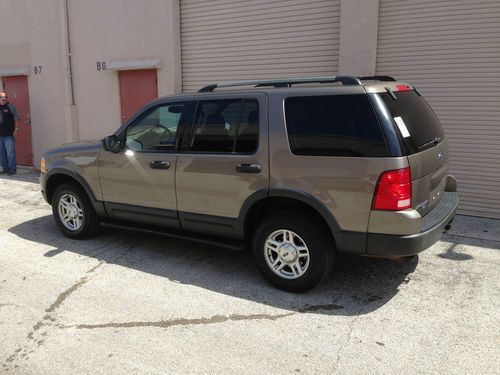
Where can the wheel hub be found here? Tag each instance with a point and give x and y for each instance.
(288, 253)
(72, 212)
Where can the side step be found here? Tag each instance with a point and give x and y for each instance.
(232, 244)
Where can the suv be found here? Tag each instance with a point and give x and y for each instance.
(295, 169)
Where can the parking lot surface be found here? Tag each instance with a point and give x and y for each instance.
(129, 302)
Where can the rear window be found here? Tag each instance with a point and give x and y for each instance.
(416, 122)
(334, 125)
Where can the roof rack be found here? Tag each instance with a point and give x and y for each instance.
(378, 78)
(288, 82)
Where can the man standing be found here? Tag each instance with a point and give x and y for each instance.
(9, 125)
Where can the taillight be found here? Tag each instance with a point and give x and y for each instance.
(393, 191)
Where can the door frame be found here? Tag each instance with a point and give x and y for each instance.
(25, 122)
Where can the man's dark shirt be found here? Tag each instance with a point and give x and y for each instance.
(8, 117)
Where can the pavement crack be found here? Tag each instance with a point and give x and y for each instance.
(349, 336)
(35, 337)
(204, 321)
(64, 295)
(60, 299)
(181, 321)
(327, 307)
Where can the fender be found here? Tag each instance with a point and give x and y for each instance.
(346, 241)
(98, 205)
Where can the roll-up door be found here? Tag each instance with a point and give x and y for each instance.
(226, 40)
(451, 51)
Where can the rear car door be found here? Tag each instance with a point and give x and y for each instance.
(138, 183)
(224, 162)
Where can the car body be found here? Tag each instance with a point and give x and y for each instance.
(298, 169)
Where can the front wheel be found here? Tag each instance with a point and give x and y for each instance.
(73, 212)
(293, 252)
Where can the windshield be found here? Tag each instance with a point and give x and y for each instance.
(416, 122)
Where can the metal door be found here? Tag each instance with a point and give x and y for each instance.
(239, 39)
(451, 51)
(16, 88)
(137, 87)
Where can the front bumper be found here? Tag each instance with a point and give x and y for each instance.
(434, 224)
(42, 181)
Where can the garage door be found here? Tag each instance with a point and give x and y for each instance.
(451, 51)
(225, 40)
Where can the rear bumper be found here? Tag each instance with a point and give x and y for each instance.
(434, 225)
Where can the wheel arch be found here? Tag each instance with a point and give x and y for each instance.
(262, 203)
(60, 176)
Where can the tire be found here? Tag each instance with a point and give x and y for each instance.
(73, 212)
(293, 252)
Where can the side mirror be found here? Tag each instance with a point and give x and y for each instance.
(112, 144)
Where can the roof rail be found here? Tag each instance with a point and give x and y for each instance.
(378, 78)
(286, 82)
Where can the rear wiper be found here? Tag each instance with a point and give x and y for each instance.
(432, 142)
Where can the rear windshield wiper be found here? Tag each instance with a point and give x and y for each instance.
(432, 142)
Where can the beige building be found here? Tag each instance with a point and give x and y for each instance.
(76, 60)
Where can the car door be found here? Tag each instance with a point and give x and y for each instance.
(138, 182)
(225, 161)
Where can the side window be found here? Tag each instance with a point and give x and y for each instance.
(157, 131)
(248, 131)
(226, 126)
(335, 125)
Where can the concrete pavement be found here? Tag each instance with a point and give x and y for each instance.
(128, 302)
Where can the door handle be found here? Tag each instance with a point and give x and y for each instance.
(248, 168)
(160, 164)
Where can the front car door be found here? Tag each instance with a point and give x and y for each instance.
(138, 183)
(224, 162)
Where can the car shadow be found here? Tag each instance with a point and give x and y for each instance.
(357, 286)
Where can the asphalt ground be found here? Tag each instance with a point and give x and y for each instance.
(129, 302)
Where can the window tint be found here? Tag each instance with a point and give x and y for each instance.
(157, 131)
(421, 123)
(226, 126)
(335, 125)
(246, 141)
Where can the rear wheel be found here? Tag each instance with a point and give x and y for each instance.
(73, 212)
(293, 252)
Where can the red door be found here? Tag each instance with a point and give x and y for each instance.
(16, 88)
(137, 87)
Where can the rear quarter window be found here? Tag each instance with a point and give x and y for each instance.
(423, 129)
(333, 125)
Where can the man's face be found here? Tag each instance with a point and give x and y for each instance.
(3, 98)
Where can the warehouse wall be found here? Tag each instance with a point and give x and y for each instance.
(450, 49)
(30, 35)
(34, 34)
(111, 30)
(358, 37)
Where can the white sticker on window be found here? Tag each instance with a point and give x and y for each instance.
(402, 127)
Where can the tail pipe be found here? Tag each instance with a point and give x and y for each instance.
(448, 226)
